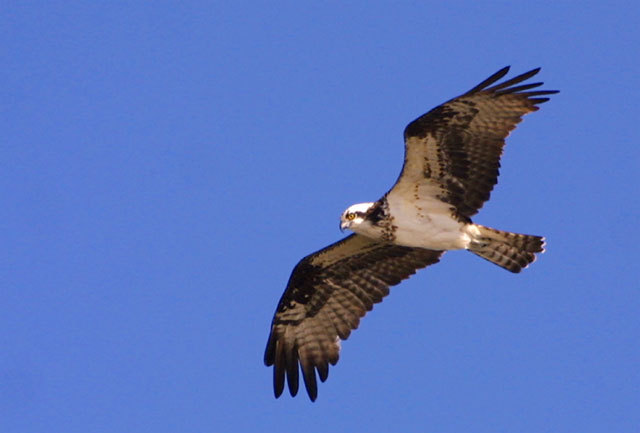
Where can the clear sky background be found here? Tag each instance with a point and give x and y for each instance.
(165, 165)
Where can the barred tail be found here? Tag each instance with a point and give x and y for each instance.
(511, 251)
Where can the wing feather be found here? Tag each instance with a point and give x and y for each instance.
(452, 153)
(327, 295)
(515, 80)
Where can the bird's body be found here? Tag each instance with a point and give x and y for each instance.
(452, 157)
(426, 223)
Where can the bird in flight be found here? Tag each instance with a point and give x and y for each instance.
(451, 162)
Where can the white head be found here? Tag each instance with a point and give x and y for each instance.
(354, 218)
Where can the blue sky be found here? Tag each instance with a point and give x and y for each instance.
(165, 166)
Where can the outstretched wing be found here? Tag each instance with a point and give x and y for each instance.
(327, 294)
(452, 153)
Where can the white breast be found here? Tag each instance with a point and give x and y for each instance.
(421, 220)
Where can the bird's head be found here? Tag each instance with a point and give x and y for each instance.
(355, 217)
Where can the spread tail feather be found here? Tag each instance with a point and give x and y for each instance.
(511, 251)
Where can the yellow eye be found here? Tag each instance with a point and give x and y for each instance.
(351, 216)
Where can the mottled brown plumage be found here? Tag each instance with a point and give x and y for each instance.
(327, 294)
(452, 158)
(457, 146)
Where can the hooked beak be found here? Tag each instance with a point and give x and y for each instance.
(343, 225)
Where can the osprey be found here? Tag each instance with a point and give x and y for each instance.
(452, 156)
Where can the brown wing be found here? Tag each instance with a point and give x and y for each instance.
(327, 294)
(453, 152)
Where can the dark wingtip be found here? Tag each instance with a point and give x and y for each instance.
(313, 394)
(502, 72)
(278, 370)
(537, 101)
(269, 352)
(492, 79)
(515, 80)
(292, 380)
(312, 386)
(323, 371)
(277, 390)
(278, 385)
(309, 376)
